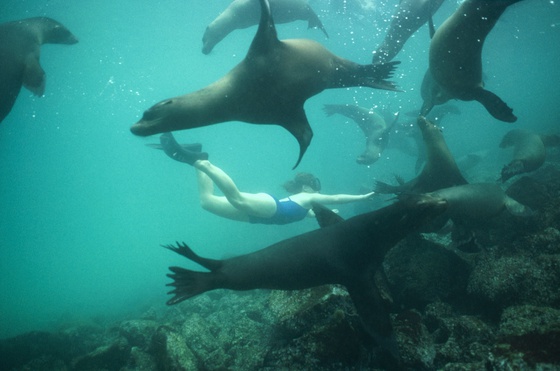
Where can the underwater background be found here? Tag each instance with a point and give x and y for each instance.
(85, 205)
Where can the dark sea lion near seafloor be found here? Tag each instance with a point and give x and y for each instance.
(529, 152)
(245, 13)
(373, 125)
(347, 253)
(440, 170)
(20, 43)
(269, 86)
(455, 60)
(408, 18)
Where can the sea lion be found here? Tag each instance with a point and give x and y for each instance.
(529, 152)
(455, 60)
(432, 94)
(477, 202)
(20, 43)
(269, 86)
(440, 170)
(245, 13)
(408, 18)
(346, 253)
(373, 126)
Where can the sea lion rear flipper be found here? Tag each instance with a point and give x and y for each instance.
(184, 250)
(187, 283)
(385, 188)
(375, 76)
(34, 76)
(315, 22)
(495, 105)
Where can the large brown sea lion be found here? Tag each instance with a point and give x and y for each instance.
(245, 13)
(440, 170)
(529, 151)
(348, 253)
(408, 18)
(20, 43)
(269, 86)
(456, 54)
(373, 126)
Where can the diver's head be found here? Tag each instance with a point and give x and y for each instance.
(303, 182)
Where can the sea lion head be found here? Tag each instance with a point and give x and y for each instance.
(155, 118)
(54, 32)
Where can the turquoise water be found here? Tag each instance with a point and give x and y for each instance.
(85, 205)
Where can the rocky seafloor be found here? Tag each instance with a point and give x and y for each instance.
(489, 303)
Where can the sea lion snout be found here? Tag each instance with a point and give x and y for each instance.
(151, 120)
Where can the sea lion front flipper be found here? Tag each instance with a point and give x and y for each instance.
(494, 105)
(325, 216)
(298, 125)
(518, 209)
(314, 21)
(34, 75)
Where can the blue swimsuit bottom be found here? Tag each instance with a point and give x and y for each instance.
(286, 212)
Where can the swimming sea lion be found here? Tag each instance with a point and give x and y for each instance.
(529, 152)
(408, 18)
(477, 202)
(20, 43)
(456, 54)
(372, 124)
(440, 170)
(346, 253)
(269, 86)
(432, 94)
(245, 13)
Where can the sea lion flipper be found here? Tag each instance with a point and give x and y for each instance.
(34, 75)
(495, 105)
(184, 250)
(315, 22)
(301, 130)
(325, 216)
(518, 209)
(266, 36)
(375, 76)
(374, 314)
(187, 283)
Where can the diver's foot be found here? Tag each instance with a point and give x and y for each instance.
(181, 153)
